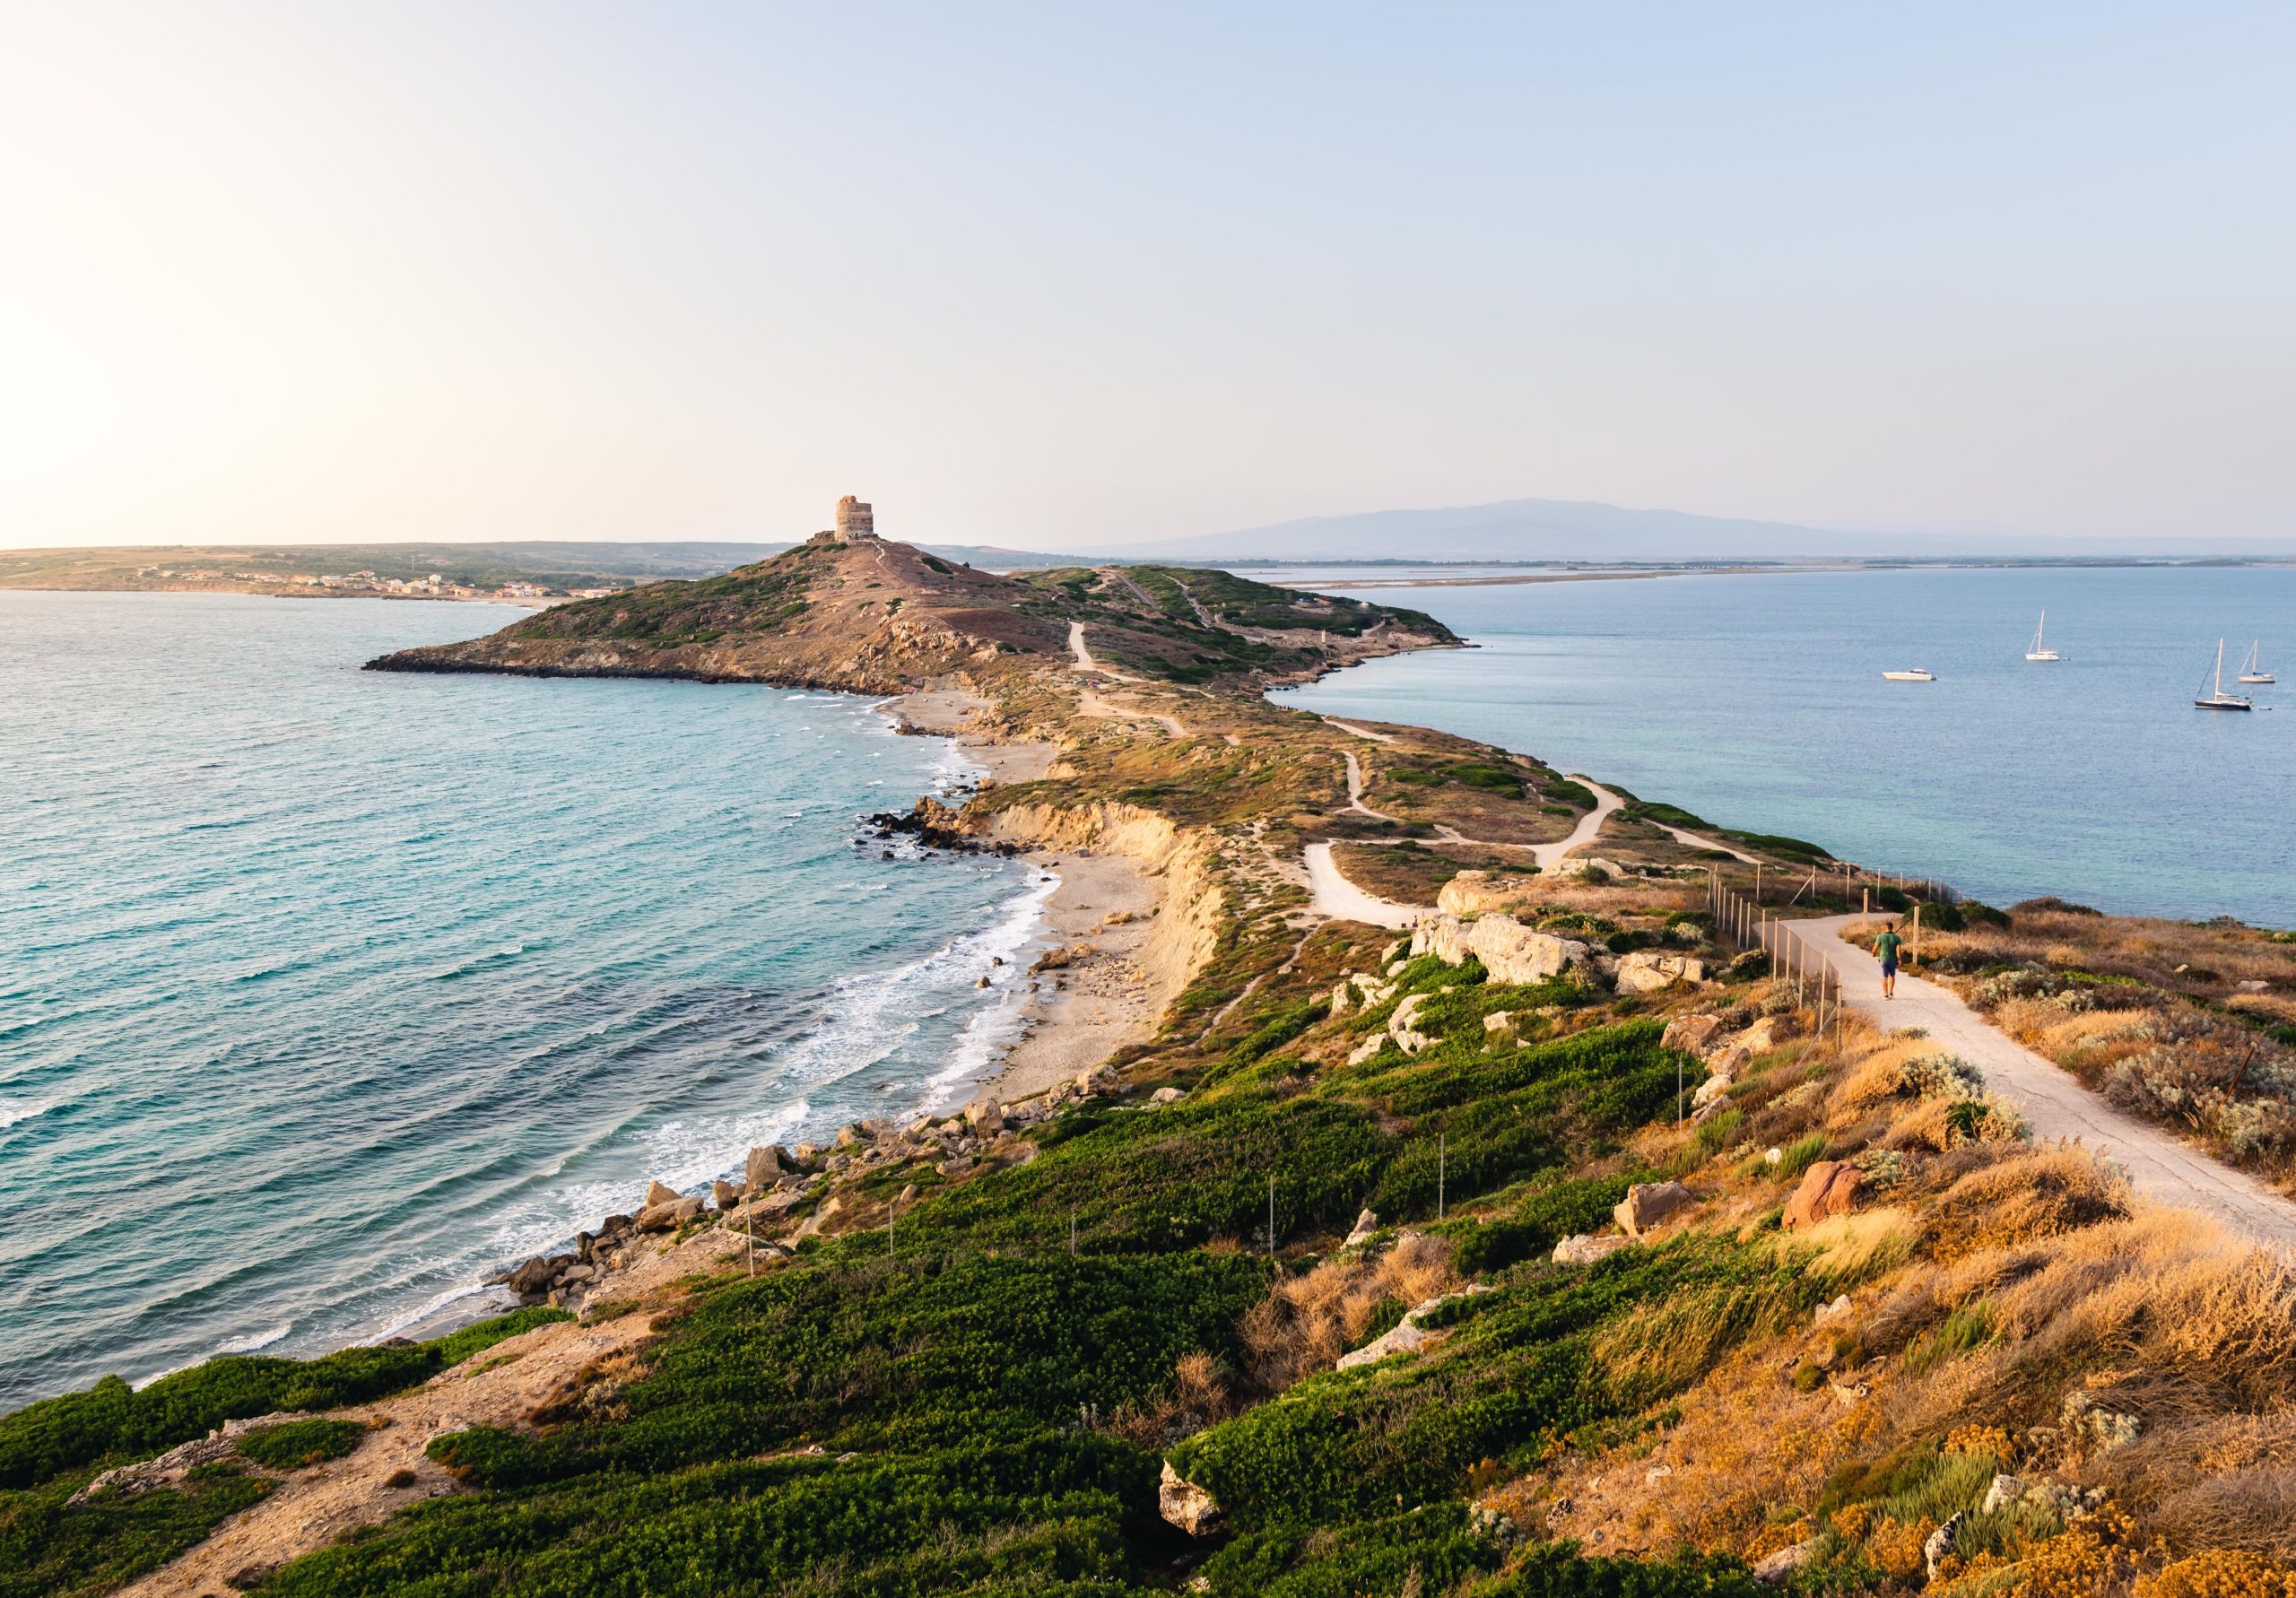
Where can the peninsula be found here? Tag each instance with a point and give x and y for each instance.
(1500, 1184)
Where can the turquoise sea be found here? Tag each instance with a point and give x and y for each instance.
(1758, 702)
(324, 991)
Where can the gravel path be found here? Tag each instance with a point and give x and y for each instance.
(2164, 1168)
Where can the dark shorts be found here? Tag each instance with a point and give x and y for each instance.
(1889, 967)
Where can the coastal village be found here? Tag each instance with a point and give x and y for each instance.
(1494, 1183)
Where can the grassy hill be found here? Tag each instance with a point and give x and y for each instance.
(879, 616)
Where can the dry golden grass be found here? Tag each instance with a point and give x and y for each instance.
(2009, 1302)
(1306, 1323)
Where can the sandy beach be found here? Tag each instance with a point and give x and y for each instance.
(1097, 988)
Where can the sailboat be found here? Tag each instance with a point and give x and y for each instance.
(2251, 672)
(2218, 700)
(2039, 650)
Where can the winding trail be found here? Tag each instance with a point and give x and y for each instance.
(1332, 895)
(1607, 804)
(1355, 791)
(2164, 1168)
(1347, 726)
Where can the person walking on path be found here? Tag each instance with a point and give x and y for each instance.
(1886, 947)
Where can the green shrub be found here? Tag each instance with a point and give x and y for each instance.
(1556, 1571)
(1800, 1155)
(291, 1444)
(478, 1337)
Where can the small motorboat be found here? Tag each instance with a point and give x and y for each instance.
(1914, 675)
(2217, 698)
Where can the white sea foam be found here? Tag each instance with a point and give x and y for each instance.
(14, 1111)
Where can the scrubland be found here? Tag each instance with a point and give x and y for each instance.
(2192, 1024)
(978, 1403)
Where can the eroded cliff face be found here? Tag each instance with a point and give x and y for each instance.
(1188, 925)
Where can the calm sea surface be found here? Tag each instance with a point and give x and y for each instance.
(322, 991)
(1758, 702)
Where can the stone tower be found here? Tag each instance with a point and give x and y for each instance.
(855, 520)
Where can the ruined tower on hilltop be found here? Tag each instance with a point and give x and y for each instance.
(855, 520)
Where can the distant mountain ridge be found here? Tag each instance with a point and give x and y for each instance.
(1581, 530)
(1518, 530)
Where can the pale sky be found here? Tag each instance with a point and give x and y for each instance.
(1060, 274)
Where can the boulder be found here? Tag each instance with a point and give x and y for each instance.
(1472, 893)
(1648, 1203)
(1590, 865)
(1342, 997)
(2007, 1492)
(536, 1275)
(574, 1275)
(1691, 1033)
(1713, 1087)
(1831, 1312)
(1408, 1336)
(850, 1135)
(1364, 1050)
(1768, 1033)
(1774, 1570)
(1585, 1248)
(657, 1193)
(1497, 1021)
(1187, 1505)
(1512, 952)
(984, 1112)
(726, 1195)
(1399, 1025)
(686, 1209)
(1829, 1188)
(1942, 1542)
(1166, 1096)
(1366, 1224)
(1647, 970)
(657, 1218)
(1712, 1107)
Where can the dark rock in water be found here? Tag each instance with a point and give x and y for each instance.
(537, 1274)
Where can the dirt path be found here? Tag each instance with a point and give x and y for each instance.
(1698, 840)
(388, 1471)
(1332, 894)
(1607, 804)
(1355, 791)
(1084, 659)
(2164, 1168)
(1345, 726)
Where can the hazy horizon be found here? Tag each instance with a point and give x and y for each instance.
(1059, 281)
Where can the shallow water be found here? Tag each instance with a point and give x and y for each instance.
(326, 990)
(1757, 701)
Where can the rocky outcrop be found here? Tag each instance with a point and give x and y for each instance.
(1366, 1225)
(1585, 1248)
(1829, 1188)
(1647, 1205)
(1472, 893)
(1775, 1570)
(1408, 1037)
(169, 1468)
(1691, 1033)
(1187, 1505)
(1408, 1336)
(1647, 970)
(1510, 952)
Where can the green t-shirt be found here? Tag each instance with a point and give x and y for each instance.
(1888, 944)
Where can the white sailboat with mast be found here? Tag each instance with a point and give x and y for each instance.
(2252, 671)
(2038, 650)
(2217, 698)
